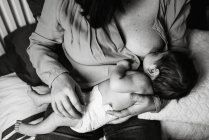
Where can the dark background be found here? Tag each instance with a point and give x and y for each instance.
(199, 16)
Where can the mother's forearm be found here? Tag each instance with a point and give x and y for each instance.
(44, 59)
(142, 104)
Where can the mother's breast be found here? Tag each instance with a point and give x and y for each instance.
(143, 41)
(136, 25)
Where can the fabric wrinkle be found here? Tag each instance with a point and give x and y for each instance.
(95, 113)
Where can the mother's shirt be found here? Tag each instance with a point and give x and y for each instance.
(94, 52)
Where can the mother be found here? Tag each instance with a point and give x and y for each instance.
(95, 34)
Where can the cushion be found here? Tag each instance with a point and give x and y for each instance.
(16, 45)
(6, 66)
(15, 104)
(17, 60)
(184, 131)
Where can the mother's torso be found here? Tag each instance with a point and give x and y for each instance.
(136, 24)
(94, 52)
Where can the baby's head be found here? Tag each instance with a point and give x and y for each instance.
(172, 73)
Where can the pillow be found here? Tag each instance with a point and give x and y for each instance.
(6, 67)
(18, 60)
(15, 104)
(16, 45)
(184, 131)
(188, 109)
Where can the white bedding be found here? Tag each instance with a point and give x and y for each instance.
(15, 104)
(193, 110)
(184, 131)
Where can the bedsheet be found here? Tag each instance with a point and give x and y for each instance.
(184, 131)
(15, 104)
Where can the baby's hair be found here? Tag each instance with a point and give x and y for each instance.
(177, 75)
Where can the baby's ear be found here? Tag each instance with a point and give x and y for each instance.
(153, 72)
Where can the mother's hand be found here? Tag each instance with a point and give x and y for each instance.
(142, 104)
(64, 97)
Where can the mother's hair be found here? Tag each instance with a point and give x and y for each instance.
(99, 12)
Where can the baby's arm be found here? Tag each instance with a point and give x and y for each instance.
(122, 79)
(120, 71)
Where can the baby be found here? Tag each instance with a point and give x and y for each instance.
(170, 75)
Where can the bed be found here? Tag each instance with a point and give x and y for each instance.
(186, 119)
(15, 104)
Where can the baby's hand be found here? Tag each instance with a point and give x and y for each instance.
(124, 63)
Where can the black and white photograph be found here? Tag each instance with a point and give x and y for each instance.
(104, 69)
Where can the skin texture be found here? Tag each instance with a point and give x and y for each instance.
(65, 99)
(115, 92)
(123, 82)
(41, 51)
(149, 64)
(48, 125)
(64, 96)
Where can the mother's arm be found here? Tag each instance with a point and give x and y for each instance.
(142, 104)
(42, 54)
(175, 16)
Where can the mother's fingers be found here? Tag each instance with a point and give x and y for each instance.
(76, 103)
(62, 110)
(54, 107)
(120, 114)
(133, 110)
(119, 120)
(69, 108)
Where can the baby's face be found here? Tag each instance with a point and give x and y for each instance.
(150, 60)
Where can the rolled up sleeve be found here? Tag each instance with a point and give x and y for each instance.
(43, 43)
(176, 14)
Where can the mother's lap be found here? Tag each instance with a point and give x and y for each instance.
(132, 129)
